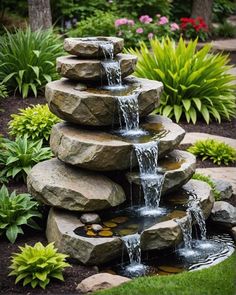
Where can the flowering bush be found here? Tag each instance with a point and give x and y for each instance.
(145, 28)
(194, 27)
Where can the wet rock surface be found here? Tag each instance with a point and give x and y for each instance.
(103, 151)
(86, 106)
(176, 174)
(91, 251)
(92, 70)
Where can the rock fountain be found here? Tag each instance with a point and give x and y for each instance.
(108, 144)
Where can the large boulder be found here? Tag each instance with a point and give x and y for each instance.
(59, 185)
(90, 47)
(92, 70)
(224, 213)
(178, 167)
(168, 233)
(101, 281)
(86, 106)
(105, 151)
(91, 251)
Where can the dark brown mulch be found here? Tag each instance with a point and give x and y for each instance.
(226, 128)
(72, 275)
(11, 105)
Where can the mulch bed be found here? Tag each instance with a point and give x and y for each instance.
(76, 273)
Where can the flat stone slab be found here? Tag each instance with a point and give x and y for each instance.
(192, 137)
(89, 106)
(224, 173)
(168, 233)
(103, 151)
(90, 251)
(92, 70)
(178, 167)
(59, 185)
(101, 281)
(91, 47)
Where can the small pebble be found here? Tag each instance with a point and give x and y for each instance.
(96, 227)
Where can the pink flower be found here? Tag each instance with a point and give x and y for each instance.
(146, 19)
(121, 21)
(130, 22)
(139, 30)
(163, 20)
(174, 27)
(150, 35)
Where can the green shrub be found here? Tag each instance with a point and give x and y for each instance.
(222, 9)
(214, 150)
(37, 265)
(226, 30)
(3, 91)
(16, 211)
(35, 121)
(208, 180)
(196, 83)
(99, 24)
(27, 60)
(17, 157)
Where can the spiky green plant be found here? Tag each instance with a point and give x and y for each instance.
(27, 60)
(37, 265)
(3, 91)
(196, 83)
(15, 211)
(17, 157)
(207, 179)
(214, 150)
(35, 121)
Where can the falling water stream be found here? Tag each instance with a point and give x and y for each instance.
(194, 207)
(186, 228)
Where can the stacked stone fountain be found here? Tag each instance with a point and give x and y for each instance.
(88, 153)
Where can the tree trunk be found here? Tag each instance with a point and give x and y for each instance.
(203, 8)
(39, 14)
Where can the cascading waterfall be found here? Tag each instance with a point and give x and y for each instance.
(186, 228)
(151, 179)
(111, 66)
(128, 111)
(132, 244)
(195, 209)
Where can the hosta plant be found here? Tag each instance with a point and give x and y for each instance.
(208, 180)
(37, 265)
(16, 211)
(196, 83)
(214, 150)
(17, 157)
(35, 121)
(27, 60)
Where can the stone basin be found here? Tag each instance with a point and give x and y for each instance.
(105, 151)
(178, 167)
(80, 104)
(91, 47)
(59, 185)
(61, 227)
(92, 70)
(168, 233)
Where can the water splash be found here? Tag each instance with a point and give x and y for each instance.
(151, 180)
(186, 228)
(195, 209)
